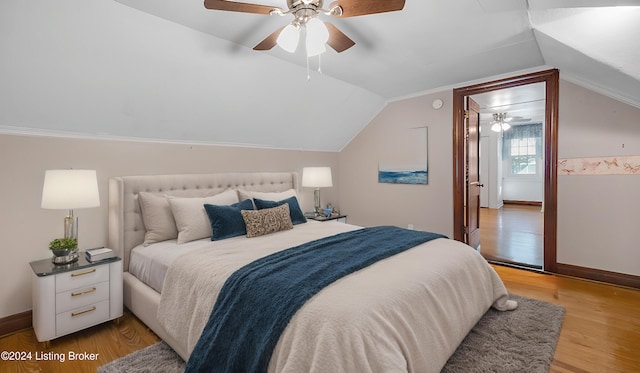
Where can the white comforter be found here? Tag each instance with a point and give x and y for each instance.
(405, 313)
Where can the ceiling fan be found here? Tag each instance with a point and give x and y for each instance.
(305, 13)
(501, 121)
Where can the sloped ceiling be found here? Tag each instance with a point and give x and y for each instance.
(172, 70)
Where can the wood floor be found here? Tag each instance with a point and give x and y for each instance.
(600, 333)
(109, 340)
(513, 234)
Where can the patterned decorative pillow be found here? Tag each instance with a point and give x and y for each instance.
(265, 221)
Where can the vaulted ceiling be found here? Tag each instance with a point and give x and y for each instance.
(173, 70)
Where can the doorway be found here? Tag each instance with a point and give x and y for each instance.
(460, 166)
(511, 174)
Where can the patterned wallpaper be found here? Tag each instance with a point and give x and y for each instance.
(600, 166)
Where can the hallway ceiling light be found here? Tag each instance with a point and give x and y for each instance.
(500, 122)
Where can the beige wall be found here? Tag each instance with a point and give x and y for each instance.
(598, 215)
(26, 229)
(427, 207)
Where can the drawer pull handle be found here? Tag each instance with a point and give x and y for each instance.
(74, 314)
(82, 273)
(83, 292)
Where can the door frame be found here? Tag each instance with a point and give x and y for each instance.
(551, 78)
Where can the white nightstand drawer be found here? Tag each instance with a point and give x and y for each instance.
(83, 317)
(81, 278)
(69, 298)
(82, 296)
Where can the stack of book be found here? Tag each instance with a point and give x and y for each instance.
(99, 253)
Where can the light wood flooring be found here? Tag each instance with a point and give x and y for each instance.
(110, 341)
(513, 234)
(600, 333)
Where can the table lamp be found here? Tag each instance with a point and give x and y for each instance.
(69, 190)
(316, 177)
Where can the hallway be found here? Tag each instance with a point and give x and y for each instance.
(512, 234)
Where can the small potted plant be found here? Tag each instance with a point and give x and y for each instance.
(63, 246)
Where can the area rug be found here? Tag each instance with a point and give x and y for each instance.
(522, 340)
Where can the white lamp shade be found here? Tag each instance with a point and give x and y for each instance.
(496, 127)
(289, 38)
(317, 37)
(70, 189)
(316, 177)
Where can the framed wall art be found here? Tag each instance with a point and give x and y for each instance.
(407, 163)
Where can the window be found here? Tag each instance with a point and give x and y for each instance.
(522, 148)
(523, 156)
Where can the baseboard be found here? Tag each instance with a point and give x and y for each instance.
(615, 278)
(14, 323)
(526, 203)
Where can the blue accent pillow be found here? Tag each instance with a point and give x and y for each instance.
(227, 221)
(297, 216)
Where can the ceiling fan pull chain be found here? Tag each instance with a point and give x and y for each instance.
(308, 74)
(320, 63)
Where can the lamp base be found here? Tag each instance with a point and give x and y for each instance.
(316, 201)
(65, 259)
(71, 226)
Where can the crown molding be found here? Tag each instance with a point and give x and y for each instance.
(39, 132)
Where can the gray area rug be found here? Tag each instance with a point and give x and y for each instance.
(522, 340)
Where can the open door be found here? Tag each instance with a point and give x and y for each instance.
(473, 185)
(460, 184)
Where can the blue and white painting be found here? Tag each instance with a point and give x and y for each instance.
(406, 163)
(401, 175)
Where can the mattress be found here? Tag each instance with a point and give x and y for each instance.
(150, 263)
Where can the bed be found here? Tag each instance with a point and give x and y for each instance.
(407, 312)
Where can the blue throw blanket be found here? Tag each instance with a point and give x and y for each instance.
(257, 301)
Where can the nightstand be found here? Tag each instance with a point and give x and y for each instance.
(339, 218)
(71, 297)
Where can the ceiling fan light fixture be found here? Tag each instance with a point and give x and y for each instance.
(315, 49)
(289, 38)
(316, 38)
(304, 11)
(500, 122)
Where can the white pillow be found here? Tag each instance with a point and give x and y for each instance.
(157, 218)
(191, 218)
(267, 196)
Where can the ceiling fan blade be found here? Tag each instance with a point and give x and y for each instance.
(337, 39)
(233, 6)
(270, 41)
(353, 8)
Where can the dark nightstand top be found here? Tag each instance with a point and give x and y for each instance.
(325, 218)
(46, 267)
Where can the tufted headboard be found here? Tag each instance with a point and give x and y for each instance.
(126, 229)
